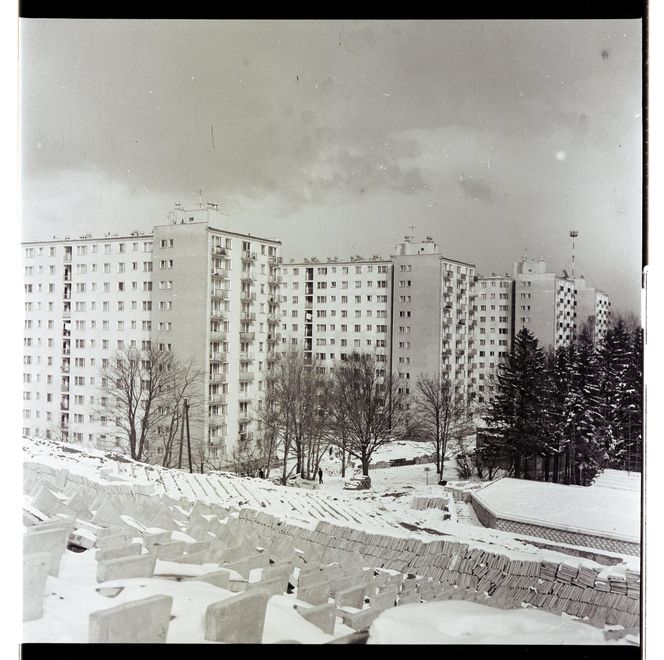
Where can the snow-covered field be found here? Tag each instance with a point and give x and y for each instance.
(387, 508)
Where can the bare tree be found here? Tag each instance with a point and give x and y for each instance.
(374, 407)
(441, 414)
(185, 385)
(294, 413)
(135, 383)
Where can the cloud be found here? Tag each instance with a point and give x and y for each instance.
(476, 188)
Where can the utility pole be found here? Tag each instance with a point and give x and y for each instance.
(181, 436)
(186, 417)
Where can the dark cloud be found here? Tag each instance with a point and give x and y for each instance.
(476, 188)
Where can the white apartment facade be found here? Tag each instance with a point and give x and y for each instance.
(433, 316)
(493, 310)
(334, 308)
(595, 306)
(545, 303)
(209, 295)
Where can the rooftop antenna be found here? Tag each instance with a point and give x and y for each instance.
(573, 234)
(200, 197)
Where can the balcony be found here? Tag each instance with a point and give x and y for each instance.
(216, 420)
(218, 335)
(274, 260)
(248, 256)
(248, 296)
(247, 277)
(247, 357)
(275, 279)
(219, 274)
(273, 339)
(218, 314)
(64, 368)
(246, 437)
(217, 398)
(67, 258)
(219, 294)
(217, 377)
(247, 336)
(273, 318)
(217, 249)
(245, 396)
(272, 356)
(217, 356)
(64, 387)
(244, 417)
(246, 376)
(248, 317)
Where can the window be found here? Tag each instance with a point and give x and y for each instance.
(166, 263)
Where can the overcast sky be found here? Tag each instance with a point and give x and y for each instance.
(493, 137)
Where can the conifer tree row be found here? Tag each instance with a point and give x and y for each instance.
(566, 415)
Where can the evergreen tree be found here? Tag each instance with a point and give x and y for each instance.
(614, 359)
(632, 405)
(515, 410)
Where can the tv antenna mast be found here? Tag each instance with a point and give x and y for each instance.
(573, 234)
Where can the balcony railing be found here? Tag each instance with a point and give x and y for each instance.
(248, 317)
(248, 296)
(220, 294)
(218, 249)
(273, 318)
(218, 356)
(218, 377)
(273, 339)
(216, 420)
(275, 279)
(246, 376)
(67, 258)
(217, 397)
(247, 277)
(218, 335)
(217, 314)
(246, 437)
(247, 336)
(246, 357)
(244, 417)
(275, 260)
(219, 274)
(64, 368)
(248, 256)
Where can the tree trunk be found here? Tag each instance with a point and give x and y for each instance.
(343, 457)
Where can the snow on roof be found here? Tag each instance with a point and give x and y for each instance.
(607, 512)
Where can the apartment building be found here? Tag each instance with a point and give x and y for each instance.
(85, 299)
(594, 306)
(209, 295)
(332, 309)
(493, 310)
(433, 316)
(545, 303)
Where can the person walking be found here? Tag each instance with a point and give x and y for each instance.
(320, 475)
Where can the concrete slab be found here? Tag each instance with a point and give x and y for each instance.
(322, 616)
(217, 578)
(143, 621)
(35, 572)
(315, 593)
(361, 620)
(353, 597)
(53, 541)
(129, 550)
(168, 551)
(239, 619)
(125, 567)
(114, 540)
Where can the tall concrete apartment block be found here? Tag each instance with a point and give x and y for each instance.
(329, 310)
(554, 307)
(84, 299)
(593, 305)
(209, 295)
(433, 317)
(493, 312)
(545, 303)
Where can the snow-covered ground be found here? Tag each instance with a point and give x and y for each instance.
(458, 622)
(386, 508)
(606, 511)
